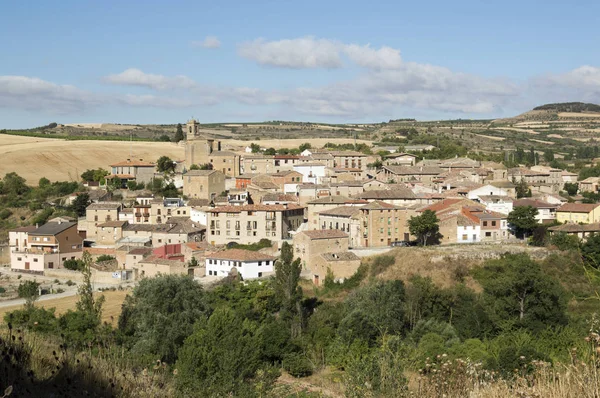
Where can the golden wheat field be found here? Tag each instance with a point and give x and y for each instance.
(59, 160)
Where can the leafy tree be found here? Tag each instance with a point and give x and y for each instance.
(164, 164)
(73, 264)
(220, 358)
(517, 292)
(522, 220)
(425, 227)
(522, 189)
(14, 184)
(131, 185)
(44, 182)
(255, 148)
(206, 166)
(160, 314)
(564, 241)
(179, 133)
(287, 276)
(33, 318)
(164, 138)
(94, 175)
(29, 290)
(571, 188)
(305, 146)
(194, 167)
(87, 303)
(270, 151)
(590, 251)
(548, 155)
(80, 204)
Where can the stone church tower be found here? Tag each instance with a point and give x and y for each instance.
(197, 149)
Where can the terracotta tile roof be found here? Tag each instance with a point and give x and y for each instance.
(408, 170)
(28, 228)
(538, 204)
(572, 227)
(336, 199)
(134, 163)
(239, 255)
(104, 206)
(577, 207)
(113, 224)
(397, 193)
(144, 251)
(200, 173)
(444, 204)
(342, 211)
(256, 207)
(279, 197)
(378, 205)
(325, 234)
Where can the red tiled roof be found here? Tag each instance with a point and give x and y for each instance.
(240, 255)
(257, 207)
(134, 163)
(444, 204)
(578, 207)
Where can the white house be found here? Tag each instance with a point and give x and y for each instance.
(198, 215)
(546, 211)
(468, 233)
(306, 152)
(249, 264)
(311, 172)
(499, 204)
(488, 189)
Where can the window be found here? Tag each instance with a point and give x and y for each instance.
(485, 223)
(50, 264)
(493, 223)
(488, 234)
(260, 274)
(267, 263)
(465, 237)
(19, 259)
(259, 263)
(35, 260)
(48, 239)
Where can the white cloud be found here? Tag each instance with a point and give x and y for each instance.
(31, 93)
(306, 52)
(135, 77)
(208, 42)
(370, 58)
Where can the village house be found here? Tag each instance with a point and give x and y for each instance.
(546, 211)
(135, 255)
(309, 192)
(308, 245)
(499, 204)
(34, 249)
(349, 159)
(408, 174)
(98, 213)
(251, 223)
(399, 196)
(418, 148)
(340, 265)
(313, 173)
(400, 159)
(203, 184)
(590, 184)
(582, 231)
(578, 213)
(249, 264)
(136, 170)
(327, 203)
(153, 266)
(225, 161)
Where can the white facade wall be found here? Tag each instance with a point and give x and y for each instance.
(486, 190)
(473, 234)
(545, 214)
(503, 208)
(247, 269)
(40, 261)
(198, 215)
(314, 174)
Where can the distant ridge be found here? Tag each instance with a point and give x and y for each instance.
(576, 107)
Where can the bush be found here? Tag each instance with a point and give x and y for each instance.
(104, 257)
(381, 263)
(73, 265)
(70, 283)
(33, 318)
(564, 241)
(2, 290)
(59, 290)
(5, 213)
(297, 365)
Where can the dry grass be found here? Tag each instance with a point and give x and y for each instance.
(110, 313)
(58, 160)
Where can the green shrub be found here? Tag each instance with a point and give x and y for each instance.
(297, 365)
(2, 290)
(70, 283)
(5, 213)
(104, 257)
(564, 241)
(33, 318)
(73, 265)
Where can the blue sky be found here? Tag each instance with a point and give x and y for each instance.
(331, 61)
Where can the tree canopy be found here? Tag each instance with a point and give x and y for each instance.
(165, 164)
(425, 227)
(522, 220)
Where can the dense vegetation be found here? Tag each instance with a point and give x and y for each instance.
(235, 338)
(569, 107)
